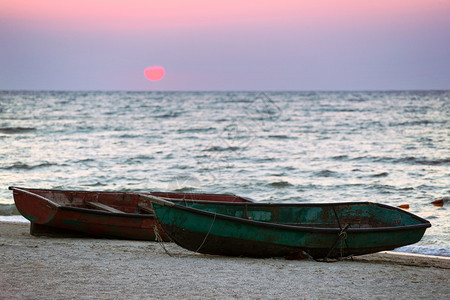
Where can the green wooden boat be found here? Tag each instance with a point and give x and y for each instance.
(281, 230)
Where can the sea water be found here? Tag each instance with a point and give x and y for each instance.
(385, 147)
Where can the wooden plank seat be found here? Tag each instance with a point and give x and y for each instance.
(104, 207)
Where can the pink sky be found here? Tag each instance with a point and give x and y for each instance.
(147, 15)
(366, 37)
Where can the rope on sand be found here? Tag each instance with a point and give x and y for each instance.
(160, 240)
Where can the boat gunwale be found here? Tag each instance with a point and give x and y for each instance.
(84, 210)
(425, 224)
(136, 192)
(35, 195)
(106, 213)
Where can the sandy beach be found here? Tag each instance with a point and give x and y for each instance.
(84, 268)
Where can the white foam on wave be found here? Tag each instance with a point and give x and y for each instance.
(425, 250)
(13, 219)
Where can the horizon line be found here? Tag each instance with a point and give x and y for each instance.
(226, 90)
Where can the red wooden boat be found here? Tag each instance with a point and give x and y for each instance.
(121, 215)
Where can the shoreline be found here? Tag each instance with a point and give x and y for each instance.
(87, 268)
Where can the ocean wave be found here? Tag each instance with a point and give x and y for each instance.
(406, 189)
(382, 174)
(94, 184)
(140, 157)
(221, 149)
(195, 130)
(326, 173)
(410, 160)
(235, 98)
(168, 115)
(184, 189)
(85, 160)
(280, 136)
(129, 136)
(336, 109)
(8, 210)
(423, 161)
(13, 130)
(357, 99)
(21, 166)
(280, 184)
(340, 157)
(381, 188)
(416, 123)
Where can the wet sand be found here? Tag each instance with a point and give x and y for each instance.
(84, 268)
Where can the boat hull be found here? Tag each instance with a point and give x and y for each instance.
(211, 233)
(65, 213)
(50, 218)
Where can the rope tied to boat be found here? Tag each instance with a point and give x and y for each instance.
(342, 236)
(159, 239)
(204, 240)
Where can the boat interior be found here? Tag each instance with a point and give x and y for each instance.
(124, 202)
(354, 215)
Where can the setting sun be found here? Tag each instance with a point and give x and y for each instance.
(154, 73)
